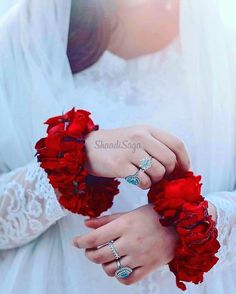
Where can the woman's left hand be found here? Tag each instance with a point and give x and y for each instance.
(142, 242)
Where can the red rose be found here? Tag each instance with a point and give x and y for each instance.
(97, 198)
(74, 122)
(169, 195)
(191, 214)
(62, 155)
(188, 189)
(178, 201)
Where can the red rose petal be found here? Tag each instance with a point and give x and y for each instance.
(62, 155)
(179, 203)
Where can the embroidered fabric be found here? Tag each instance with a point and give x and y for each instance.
(225, 204)
(28, 205)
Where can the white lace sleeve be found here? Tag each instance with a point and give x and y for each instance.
(225, 203)
(28, 205)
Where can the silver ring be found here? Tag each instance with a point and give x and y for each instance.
(146, 163)
(134, 179)
(113, 250)
(122, 272)
(118, 264)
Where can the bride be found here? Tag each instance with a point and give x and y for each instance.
(156, 74)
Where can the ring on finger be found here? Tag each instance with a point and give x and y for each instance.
(146, 163)
(113, 250)
(134, 179)
(122, 272)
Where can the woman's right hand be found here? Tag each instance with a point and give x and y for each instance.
(117, 153)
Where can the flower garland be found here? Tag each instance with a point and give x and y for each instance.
(179, 203)
(177, 199)
(62, 155)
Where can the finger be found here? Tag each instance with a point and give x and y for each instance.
(137, 275)
(110, 268)
(157, 171)
(95, 223)
(174, 144)
(104, 254)
(100, 236)
(162, 154)
(145, 181)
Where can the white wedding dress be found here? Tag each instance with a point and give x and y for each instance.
(36, 252)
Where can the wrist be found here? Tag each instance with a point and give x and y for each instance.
(62, 154)
(179, 202)
(212, 211)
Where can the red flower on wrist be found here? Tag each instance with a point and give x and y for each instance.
(62, 155)
(179, 203)
(96, 196)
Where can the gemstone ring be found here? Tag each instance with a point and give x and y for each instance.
(146, 163)
(122, 272)
(134, 179)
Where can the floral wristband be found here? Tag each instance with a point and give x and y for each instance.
(179, 203)
(62, 155)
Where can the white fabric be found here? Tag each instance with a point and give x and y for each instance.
(36, 82)
(5, 6)
(28, 205)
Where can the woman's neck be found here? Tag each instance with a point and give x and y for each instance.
(144, 29)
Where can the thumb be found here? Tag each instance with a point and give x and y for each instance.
(95, 223)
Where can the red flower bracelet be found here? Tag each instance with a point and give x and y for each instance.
(177, 199)
(179, 203)
(62, 155)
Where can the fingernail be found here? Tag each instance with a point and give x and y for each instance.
(101, 217)
(75, 244)
(90, 219)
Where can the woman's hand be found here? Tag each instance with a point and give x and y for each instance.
(142, 242)
(117, 153)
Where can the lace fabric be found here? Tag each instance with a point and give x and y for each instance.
(28, 205)
(225, 204)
